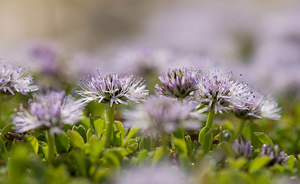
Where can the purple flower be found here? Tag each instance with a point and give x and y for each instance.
(50, 111)
(241, 148)
(162, 115)
(162, 174)
(47, 58)
(113, 89)
(278, 156)
(178, 83)
(258, 106)
(221, 90)
(15, 80)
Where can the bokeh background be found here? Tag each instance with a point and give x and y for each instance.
(71, 38)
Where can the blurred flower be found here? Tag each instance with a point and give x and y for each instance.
(46, 57)
(274, 153)
(50, 111)
(142, 61)
(178, 83)
(220, 89)
(242, 148)
(162, 115)
(113, 89)
(258, 106)
(15, 79)
(162, 174)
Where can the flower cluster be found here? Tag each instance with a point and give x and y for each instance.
(15, 80)
(241, 148)
(162, 115)
(258, 106)
(278, 156)
(178, 83)
(162, 174)
(220, 90)
(113, 89)
(50, 111)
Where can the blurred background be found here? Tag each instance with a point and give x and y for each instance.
(69, 39)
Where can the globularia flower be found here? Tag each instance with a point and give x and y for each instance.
(162, 174)
(242, 148)
(278, 156)
(219, 89)
(49, 111)
(178, 83)
(258, 106)
(162, 115)
(113, 89)
(15, 80)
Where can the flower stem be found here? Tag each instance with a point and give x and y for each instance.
(51, 146)
(205, 135)
(110, 113)
(239, 130)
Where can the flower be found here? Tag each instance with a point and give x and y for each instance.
(219, 90)
(278, 156)
(258, 106)
(178, 83)
(161, 174)
(15, 80)
(162, 115)
(242, 148)
(51, 111)
(113, 89)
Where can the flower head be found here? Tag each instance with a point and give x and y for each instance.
(242, 148)
(15, 80)
(162, 115)
(178, 83)
(258, 106)
(113, 89)
(162, 174)
(50, 111)
(219, 89)
(278, 156)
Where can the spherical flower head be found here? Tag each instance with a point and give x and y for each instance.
(113, 89)
(161, 114)
(241, 148)
(278, 156)
(178, 83)
(219, 89)
(49, 111)
(15, 80)
(161, 174)
(258, 106)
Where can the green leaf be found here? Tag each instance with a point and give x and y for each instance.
(258, 163)
(99, 126)
(33, 143)
(62, 142)
(119, 133)
(131, 133)
(95, 147)
(81, 130)
(132, 145)
(263, 138)
(237, 164)
(158, 155)
(180, 146)
(76, 139)
(290, 162)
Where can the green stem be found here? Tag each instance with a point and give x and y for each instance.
(211, 116)
(205, 135)
(110, 113)
(239, 130)
(51, 146)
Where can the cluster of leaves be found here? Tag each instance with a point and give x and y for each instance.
(81, 155)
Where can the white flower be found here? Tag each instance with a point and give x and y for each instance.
(15, 80)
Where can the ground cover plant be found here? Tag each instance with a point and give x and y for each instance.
(189, 126)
